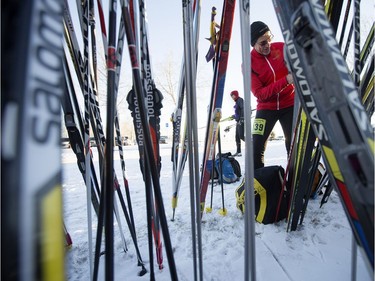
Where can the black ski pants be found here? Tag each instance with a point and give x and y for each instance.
(264, 123)
(240, 134)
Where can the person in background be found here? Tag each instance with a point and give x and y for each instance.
(239, 117)
(272, 85)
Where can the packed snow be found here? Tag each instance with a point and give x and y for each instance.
(320, 249)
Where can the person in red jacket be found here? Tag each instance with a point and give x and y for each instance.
(272, 85)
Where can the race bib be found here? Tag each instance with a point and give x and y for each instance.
(259, 126)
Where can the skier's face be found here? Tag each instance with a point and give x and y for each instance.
(263, 44)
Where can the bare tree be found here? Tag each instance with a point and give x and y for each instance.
(167, 79)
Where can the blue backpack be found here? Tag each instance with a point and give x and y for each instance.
(231, 170)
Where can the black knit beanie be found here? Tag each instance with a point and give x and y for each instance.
(258, 28)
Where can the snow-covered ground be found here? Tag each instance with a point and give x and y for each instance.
(321, 249)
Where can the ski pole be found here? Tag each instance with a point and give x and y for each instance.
(222, 211)
(209, 209)
(250, 258)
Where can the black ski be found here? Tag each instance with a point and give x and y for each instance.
(154, 105)
(151, 168)
(300, 172)
(32, 87)
(71, 118)
(367, 88)
(334, 110)
(314, 173)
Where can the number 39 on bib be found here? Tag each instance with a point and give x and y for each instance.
(259, 126)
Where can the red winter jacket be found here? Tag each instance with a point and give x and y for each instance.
(269, 84)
